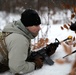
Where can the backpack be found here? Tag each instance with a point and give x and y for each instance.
(3, 53)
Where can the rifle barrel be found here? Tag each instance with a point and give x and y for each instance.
(69, 54)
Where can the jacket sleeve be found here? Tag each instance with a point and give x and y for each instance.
(18, 50)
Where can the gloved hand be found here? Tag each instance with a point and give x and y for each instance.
(38, 62)
(36, 58)
(51, 48)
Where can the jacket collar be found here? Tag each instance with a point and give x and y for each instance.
(24, 29)
(18, 27)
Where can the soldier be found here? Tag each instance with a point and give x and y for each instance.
(18, 42)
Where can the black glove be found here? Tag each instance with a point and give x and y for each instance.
(38, 62)
(51, 48)
(36, 58)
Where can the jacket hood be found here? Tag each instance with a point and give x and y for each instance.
(18, 27)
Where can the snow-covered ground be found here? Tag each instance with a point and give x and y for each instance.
(56, 69)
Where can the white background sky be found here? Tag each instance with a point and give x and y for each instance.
(53, 32)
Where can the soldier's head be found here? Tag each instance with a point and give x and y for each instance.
(31, 20)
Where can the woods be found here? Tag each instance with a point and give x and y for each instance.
(15, 6)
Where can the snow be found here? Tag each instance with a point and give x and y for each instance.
(56, 69)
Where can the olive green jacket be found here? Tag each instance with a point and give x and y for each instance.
(17, 45)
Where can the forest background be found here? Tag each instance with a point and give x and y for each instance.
(50, 6)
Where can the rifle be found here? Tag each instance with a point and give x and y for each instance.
(43, 52)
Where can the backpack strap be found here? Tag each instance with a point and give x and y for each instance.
(3, 48)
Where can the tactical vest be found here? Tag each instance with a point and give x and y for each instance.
(3, 53)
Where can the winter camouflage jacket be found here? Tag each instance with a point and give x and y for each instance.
(18, 45)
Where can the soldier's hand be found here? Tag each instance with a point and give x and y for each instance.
(38, 62)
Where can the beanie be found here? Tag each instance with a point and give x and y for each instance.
(30, 17)
(73, 26)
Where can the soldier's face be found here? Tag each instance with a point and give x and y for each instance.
(34, 29)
